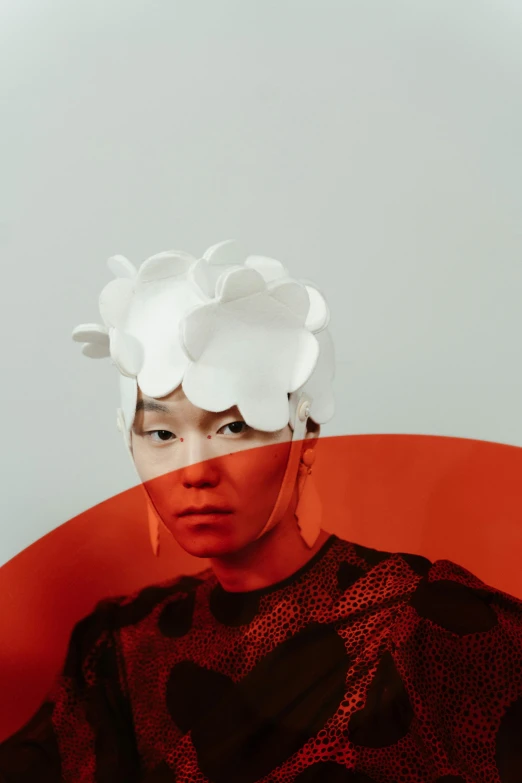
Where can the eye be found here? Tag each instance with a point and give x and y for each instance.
(163, 436)
(236, 428)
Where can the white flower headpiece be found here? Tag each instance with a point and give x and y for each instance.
(231, 331)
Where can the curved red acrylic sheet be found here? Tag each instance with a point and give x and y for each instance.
(448, 498)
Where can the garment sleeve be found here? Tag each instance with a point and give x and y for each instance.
(458, 649)
(83, 731)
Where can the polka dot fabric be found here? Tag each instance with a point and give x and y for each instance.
(363, 667)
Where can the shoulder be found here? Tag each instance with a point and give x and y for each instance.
(454, 628)
(453, 598)
(437, 596)
(125, 610)
(363, 559)
(457, 647)
(95, 631)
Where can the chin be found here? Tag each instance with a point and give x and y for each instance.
(207, 543)
(210, 541)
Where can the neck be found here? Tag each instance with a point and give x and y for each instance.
(274, 557)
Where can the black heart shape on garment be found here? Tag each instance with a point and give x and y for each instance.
(241, 731)
(508, 752)
(387, 713)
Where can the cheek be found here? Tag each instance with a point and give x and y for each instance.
(146, 467)
(249, 480)
(258, 472)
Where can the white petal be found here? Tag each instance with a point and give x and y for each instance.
(324, 407)
(164, 265)
(114, 301)
(158, 381)
(318, 316)
(239, 283)
(269, 268)
(225, 253)
(306, 357)
(196, 329)
(154, 318)
(96, 351)
(204, 277)
(267, 413)
(220, 398)
(127, 353)
(121, 267)
(293, 296)
(91, 333)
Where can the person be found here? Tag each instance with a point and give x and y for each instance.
(296, 655)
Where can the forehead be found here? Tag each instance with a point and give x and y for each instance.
(176, 403)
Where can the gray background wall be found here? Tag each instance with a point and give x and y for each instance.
(372, 146)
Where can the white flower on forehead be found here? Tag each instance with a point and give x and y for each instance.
(249, 347)
(232, 329)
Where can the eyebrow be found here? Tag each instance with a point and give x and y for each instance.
(150, 405)
(157, 407)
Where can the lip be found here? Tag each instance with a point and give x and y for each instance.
(202, 511)
(205, 521)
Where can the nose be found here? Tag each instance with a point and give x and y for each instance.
(199, 469)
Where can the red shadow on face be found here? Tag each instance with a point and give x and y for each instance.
(240, 489)
(439, 497)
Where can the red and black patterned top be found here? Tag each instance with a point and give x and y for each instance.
(362, 667)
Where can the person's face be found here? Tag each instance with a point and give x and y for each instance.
(207, 460)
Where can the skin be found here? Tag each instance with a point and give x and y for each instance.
(187, 456)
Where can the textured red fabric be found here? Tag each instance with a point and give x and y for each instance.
(363, 666)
